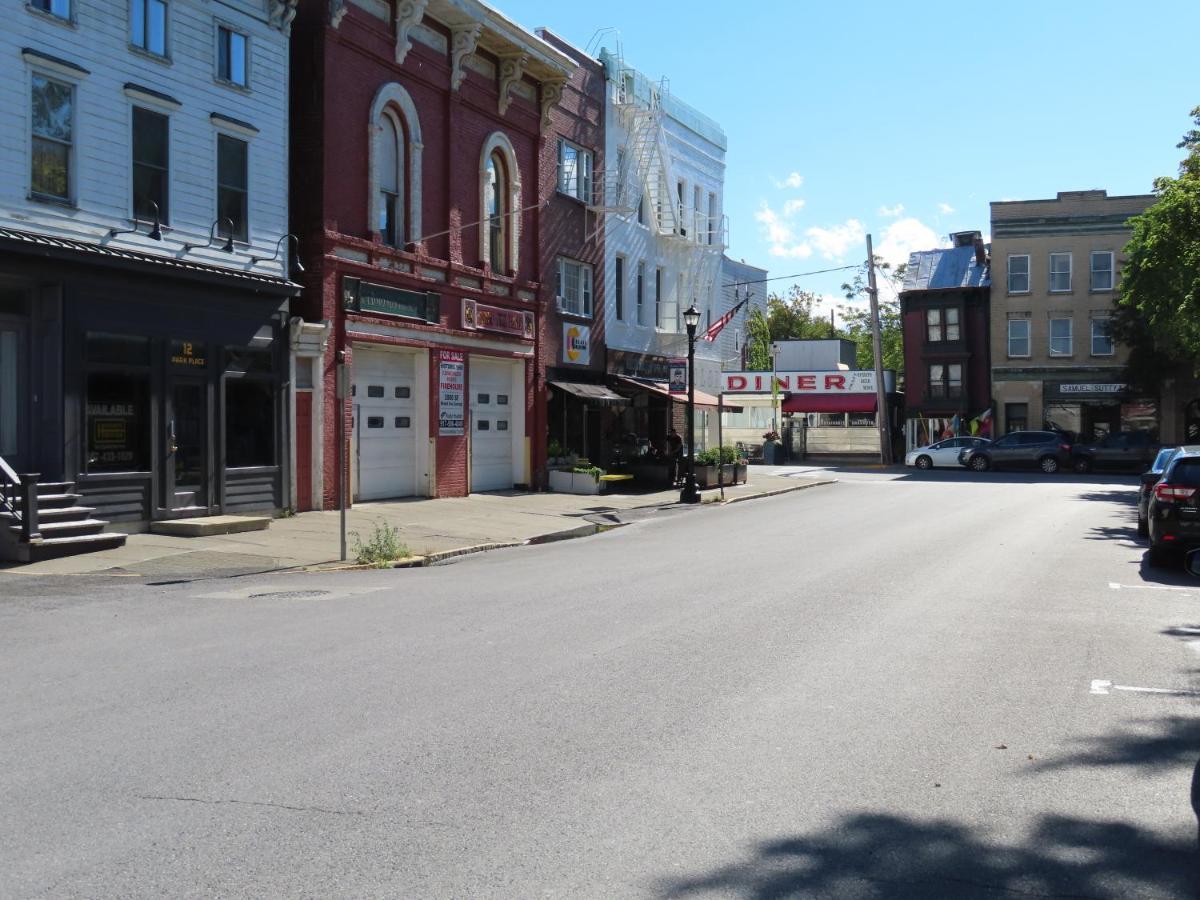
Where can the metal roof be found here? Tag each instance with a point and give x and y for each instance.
(946, 269)
(59, 247)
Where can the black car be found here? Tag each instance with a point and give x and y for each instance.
(1150, 478)
(1132, 450)
(1174, 511)
(1049, 451)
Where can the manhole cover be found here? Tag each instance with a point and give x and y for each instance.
(287, 595)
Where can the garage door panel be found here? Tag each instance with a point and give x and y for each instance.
(491, 428)
(384, 390)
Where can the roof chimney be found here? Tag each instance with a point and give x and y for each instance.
(964, 238)
(980, 250)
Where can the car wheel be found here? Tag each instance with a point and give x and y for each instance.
(1082, 465)
(979, 463)
(1048, 464)
(924, 462)
(1143, 528)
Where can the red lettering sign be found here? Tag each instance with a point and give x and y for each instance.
(806, 382)
(735, 383)
(835, 381)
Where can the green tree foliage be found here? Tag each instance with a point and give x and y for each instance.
(789, 318)
(758, 342)
(857, 318)
(1158, 308)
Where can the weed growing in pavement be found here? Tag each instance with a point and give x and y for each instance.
(382, 548)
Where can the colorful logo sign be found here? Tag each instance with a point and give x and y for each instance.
(577, 344)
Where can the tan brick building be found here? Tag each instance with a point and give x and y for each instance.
(1055, 267)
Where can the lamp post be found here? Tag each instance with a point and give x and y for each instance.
(689, 494)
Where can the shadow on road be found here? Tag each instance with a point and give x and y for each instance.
(884, 855)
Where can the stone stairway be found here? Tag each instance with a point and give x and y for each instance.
(64, 527)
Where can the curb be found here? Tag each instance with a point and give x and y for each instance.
(777, 491)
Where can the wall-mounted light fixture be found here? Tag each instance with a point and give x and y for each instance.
(212, 236)
(155, 233)
(294, 264)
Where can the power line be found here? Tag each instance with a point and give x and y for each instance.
(797, 275)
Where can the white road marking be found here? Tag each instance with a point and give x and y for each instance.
(1100, 686)
(1151, 587)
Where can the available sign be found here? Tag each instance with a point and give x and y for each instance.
(485, 317)
(577, 344)
(857, 382)
(451, 392)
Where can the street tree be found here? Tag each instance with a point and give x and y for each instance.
(856, 316)
(1158, 307)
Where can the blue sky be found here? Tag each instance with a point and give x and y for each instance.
(904, 119)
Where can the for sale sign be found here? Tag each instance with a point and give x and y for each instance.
(452, 386)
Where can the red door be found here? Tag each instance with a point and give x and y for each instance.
(304, 450)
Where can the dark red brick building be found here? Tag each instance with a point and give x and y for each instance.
(418, 169)
(944, 306)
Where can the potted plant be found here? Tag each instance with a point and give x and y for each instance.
(576, 480)
(772, 448)
(731, 468)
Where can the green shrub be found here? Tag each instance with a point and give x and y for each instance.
(717, 455)
(554, 450)
(381, 548)
(594, 471)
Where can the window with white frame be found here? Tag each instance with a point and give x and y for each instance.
(712, 217)
(1018, 273)
(1060, 337)
(680, 220)
(697, 215)
(1102, 270)
(233, 56)
(941, 324)
(1060, 272)
(1102, 342)
(148, 26)
(53, 126)
(619, 288)
(574, 170)
(233, 185)
(640, 296)
(945, 380)
(389, 160)
(1018, 337)
(60, 8)
(574, 287)
(151, 165)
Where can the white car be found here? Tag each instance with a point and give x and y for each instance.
(943, 453)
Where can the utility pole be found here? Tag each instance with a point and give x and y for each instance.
(881, 410)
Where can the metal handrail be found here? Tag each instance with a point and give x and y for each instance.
(24, 486)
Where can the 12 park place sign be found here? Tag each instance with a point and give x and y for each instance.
(856, 382)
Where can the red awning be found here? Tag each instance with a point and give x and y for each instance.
(829, 403)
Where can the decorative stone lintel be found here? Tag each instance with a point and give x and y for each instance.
(512, 70)
(551, 93)
(463, 40)
(282, 14)
(408, 15)
(337, 12)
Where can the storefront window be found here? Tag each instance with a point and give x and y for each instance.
(249, 423)
(118, 421)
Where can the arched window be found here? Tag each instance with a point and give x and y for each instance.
(390, 159)
(500, 204)
(394, 190)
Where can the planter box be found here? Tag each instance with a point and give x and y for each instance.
(573, 483)
(773, 453)
(706, 476)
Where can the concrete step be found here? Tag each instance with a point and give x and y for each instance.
(205, 526)
(53, 548)
(75, 528)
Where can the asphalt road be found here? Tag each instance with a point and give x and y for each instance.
(915, 686)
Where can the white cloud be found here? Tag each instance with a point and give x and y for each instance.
(794, 180)
(792, 207)
(906, 236)
(945, 209)
(833, 242)
(891, 212)
(780, 232)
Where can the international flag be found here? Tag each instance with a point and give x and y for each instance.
(985, 422)
(715, 328)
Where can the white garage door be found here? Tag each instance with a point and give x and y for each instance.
(385, 423)
(492, 422)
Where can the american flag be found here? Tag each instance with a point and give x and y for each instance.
(715, 328)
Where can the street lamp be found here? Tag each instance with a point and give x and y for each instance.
(689, 494)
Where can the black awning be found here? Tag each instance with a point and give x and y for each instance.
(591, 393)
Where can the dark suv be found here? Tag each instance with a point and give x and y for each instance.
(1045, 450)
(1174, 511)
(1133, 450)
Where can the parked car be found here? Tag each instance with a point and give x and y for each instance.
(1150, 478)
(1173, 514)
(943, 453)
(1123, 450)
(1049, 451)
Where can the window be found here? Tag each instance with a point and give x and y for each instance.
(712, 216)
(495, 211)
(574, 171)
(679, 209)
(232, 184)
(697, 215)
(118, 403)
(232, 57)
(250, 422)
(374, 390)
(389, 159)
(619, 288)
(1018, 274)
(1060, 337)
(945, 380)
(641, 210)
(951, 316)
(60, 8)
(1060, 272)
(1102, 342)
(574, 287)
(641, 293)
(151, 170)
(933, 325)
(1102, 270)
(148, 26)
(53, 116)
(1018, 337)
(1016, 417)
(941, 324)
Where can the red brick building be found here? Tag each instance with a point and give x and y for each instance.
(417, 174)
(944, 306)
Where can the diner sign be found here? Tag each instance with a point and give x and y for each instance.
(856, 382)
(451, 392)
(478, 316)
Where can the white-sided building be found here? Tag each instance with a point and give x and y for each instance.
(739, 279)
(144, 341)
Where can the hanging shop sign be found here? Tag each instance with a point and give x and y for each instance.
(452, 386)
(188, 354)
(856, 382)
(677, 380)
(577, 344)
(382, 300)
(478, 316)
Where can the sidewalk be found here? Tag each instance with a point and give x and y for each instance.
(434, 529)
